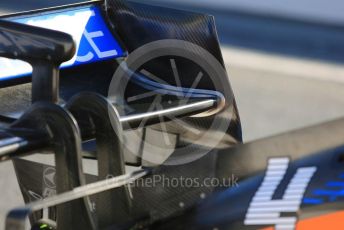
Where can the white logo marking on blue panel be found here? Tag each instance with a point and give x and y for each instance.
(94, 41)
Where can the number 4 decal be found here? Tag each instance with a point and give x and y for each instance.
(264, 210)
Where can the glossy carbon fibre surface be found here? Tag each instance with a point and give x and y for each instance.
(138, 24)
(225, 207)
(136, 28)
(197, 29)
(59, 124)
(319, 147)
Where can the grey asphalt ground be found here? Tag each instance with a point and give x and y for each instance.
(269, 103)
(330, 11)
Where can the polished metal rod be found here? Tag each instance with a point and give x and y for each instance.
(154, 117)
(18, 143)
